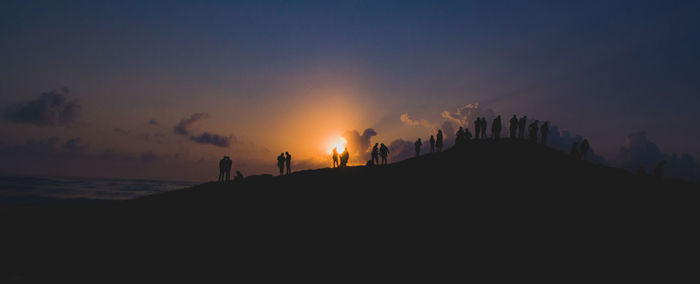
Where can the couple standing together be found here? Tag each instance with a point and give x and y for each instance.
(284, 159)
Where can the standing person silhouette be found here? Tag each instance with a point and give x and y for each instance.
(280, 163)
(229, 163)
(483, 128)
(544, 132)
(222, 169)
(533, 131)
(477, 128)
(335, 157)
(438, 143)
(383, 151)
(344, 158)
(513, 127)
(460, 136)
(375, 154)
(418, 145)
(584, 149)
(574, 151)
(521, 127)
(288, 162)
(496, 128)
(432, 144)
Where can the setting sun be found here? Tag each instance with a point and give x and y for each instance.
(338, 143)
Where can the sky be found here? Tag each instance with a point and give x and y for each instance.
(164, 89)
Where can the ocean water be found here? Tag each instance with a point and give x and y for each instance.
(42, 190)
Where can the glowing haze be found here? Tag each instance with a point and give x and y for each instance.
(163, 90)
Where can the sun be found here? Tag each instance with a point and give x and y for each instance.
(338, 143)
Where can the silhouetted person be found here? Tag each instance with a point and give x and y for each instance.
(335, 157)
(584, 149)
(467, 134)
(659, 169)
(483, 128)
(459, 136)
(521, 127)
(513, 127)
(477, 127)
(384, 152)
(533, 131)
(375, 154)
(438, 142)
(574, 151)
(229, 163)
(418, 145)
(496, 128)
(544, 133)
(432, 144)
(280, 163)
(222, 169)
(344, 157)
(239, 176)
(288, 162)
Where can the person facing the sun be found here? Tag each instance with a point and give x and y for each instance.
(335, 157)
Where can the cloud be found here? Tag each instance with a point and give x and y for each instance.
(468, 113)
(148, 156)
(359, 145)
(121, 131)
(213, 139)
(406, 120)
(184, 128)
(74, 145)
(50, 109)
(639, 151)
(400, 149)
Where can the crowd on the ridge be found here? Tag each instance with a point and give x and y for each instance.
(517, 130)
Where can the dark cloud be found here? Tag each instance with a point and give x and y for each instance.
(121, 131)
(563, 141)
(74, 145)
(51, 108)
(148, 156)
(213, 139)
(184, 128)
(400, 149)
(639, 151)
(359, 144)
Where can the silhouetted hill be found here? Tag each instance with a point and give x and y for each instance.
(497, 209)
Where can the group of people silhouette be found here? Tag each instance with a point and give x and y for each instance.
(344, 158)
(379, 151)
(581, 154)
(284, 160)
(225, 170)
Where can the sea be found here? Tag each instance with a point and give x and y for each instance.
(36, 191)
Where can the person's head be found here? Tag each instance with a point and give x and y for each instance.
(439, 131)
(287, 153)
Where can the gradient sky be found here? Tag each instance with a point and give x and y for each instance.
(272, 76)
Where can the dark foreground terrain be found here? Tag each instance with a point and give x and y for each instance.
(486, 211)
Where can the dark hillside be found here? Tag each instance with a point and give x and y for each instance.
(502, 209)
